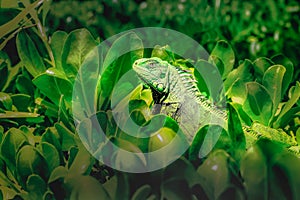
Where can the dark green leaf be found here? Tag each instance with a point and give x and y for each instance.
(53, 84)
(78, 45)
(115, 65)
(5, 101)
(87, 187)
(57, 42)
(216, 172)
(288, 75)
(13, 140)
(24, 85)
(50, 154)
(29, 55)
(21, 102)
(258, 104)
(30, 161)
(224, 52)
(36, 186)
(235, 82)
(272, 80)
(260, 65)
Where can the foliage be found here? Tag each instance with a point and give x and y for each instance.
(42, 156)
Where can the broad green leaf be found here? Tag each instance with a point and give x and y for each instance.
(208, 78)
(13, 140)
(53, 84)
(29, 55)
(57, 43)
(235, 82)
(255, 173)
(224, 52)
(115, 65)
(5, 101)
(187, 172)
(118, 186)
(216, 172)
(170, 189)
(36, 187)
(77, 46)
(287, 165)
(57, 173)
(30, 161)
(207, 139)
(24, 85)
(286, 111)
(21, 101)
(258, 104)
(288, 75)
(87, 187)
(272, 80)
(260, 65)
(82, 164)
(67, 137)
(51, 155)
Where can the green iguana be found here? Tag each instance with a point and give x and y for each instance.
(176, 89)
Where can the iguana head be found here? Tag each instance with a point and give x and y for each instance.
(153, 72)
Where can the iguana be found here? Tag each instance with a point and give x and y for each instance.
(176, 94)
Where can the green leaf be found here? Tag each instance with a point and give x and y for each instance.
(67, 137)
(142, 192)
(29, 55)
(287, 166)
(258, 104)
(235, 82)
(224, 52)
(36, 186)
(5, 101)
(216, 173)
(115, 65)
(82, 164)
(260, 65)
(53, 84)
(77, 46)
(24, 85)
(57, 43)
(287, 111)
(208, 137)
(30, 161)
(13, 140)
(288, 75)
(272, 80)
(57, 173)
(170, 190)
(21, 101)
(51, 155)
(87, 187)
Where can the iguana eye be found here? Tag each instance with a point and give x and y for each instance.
(160, 87)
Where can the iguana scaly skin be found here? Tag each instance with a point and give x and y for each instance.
(176, 89)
